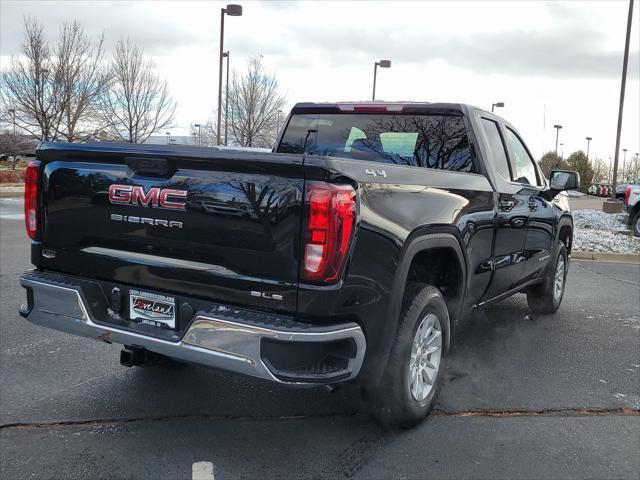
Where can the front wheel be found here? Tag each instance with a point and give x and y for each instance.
(546, 297)
(635, 224)
(411, 381)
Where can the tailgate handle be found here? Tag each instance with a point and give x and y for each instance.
(160, 167)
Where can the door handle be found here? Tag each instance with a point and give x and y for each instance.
(506, 205)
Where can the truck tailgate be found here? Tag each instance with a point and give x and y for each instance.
(219, 225)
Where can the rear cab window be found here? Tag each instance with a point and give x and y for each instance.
(419, 140)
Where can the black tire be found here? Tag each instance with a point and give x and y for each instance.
(541, 297)
(392, 402)
(635, 224)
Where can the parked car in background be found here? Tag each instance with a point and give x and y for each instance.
(621, 190)
(632, 206)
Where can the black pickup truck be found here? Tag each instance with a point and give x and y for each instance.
(347, 254)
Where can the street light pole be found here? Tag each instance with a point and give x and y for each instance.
(562, 154)
(499, 104)
(233, 11)
(623, 83)
(381, 64)
(226, 101)
(198, 141)
(624, 161)
(168, 138)
(557, 127)
(588, 142)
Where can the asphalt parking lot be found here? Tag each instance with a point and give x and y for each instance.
(525, 397)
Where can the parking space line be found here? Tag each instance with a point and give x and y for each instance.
(202, 471)
(12, 216)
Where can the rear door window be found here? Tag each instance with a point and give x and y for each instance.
(428, 141)
(496, 146)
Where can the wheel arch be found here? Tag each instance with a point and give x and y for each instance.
(564, 233)
(418, 245)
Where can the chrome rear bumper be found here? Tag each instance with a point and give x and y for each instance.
(212, 339)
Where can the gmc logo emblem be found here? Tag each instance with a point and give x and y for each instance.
(155, 197)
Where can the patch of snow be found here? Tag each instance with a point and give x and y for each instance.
(596, 231)
(596, 219)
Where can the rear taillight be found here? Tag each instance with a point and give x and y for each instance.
(328, 230)
(627, 194)
(31, 199)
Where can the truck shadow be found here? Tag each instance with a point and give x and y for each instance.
(482, 343)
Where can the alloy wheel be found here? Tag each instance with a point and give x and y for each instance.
(558, 283)
(426, 353)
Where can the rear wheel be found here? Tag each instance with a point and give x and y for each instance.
(411, 381)
(546, 297)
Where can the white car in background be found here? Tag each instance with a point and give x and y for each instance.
(632, 206)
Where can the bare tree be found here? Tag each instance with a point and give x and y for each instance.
(635, 168)
(83, 78)
(207, 134)
(600, 171)
(136, 103)
(52, 92)
(31, 86)
(204, 135)
(254, 101)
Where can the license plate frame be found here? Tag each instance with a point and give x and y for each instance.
(152, 309)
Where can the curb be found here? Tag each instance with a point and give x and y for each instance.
(11, 193)
(606, 256)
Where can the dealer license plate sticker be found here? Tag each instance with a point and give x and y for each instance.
(152, 309)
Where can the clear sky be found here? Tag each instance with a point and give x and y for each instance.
(550, 62)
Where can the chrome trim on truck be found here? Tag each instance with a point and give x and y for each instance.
(210, 341)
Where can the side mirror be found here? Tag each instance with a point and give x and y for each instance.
(564, 180)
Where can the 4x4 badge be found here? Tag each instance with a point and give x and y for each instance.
(376, 173)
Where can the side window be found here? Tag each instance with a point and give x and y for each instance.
(496, 146)
(521, 162)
